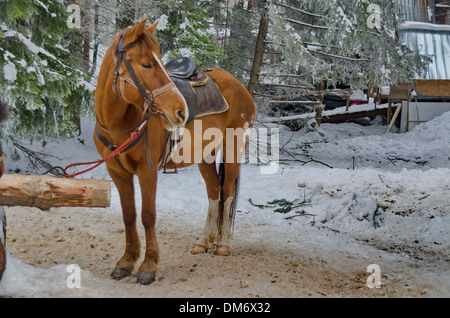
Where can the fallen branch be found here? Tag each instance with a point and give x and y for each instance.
(304, 214)
(306, 162)
(35, 156)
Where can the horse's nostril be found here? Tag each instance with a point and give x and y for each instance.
(180, 115)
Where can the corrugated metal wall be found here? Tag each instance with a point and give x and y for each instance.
(432, 41)
(417, 10)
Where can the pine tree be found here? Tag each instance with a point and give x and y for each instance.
(188, 32)
(338, 41)
(44, 92)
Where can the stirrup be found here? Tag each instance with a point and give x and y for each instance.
(174, 171)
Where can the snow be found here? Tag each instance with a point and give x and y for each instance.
(162, 22)
(388, 191)
(424, 26)
(9, 71)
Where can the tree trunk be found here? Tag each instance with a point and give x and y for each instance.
(87, 25)
(45, 192)
(259, 49)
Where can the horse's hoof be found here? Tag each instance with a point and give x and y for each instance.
(119, 273)
(199, 249)
(146, 278)
(222, 250)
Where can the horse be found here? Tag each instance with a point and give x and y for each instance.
(135, 94)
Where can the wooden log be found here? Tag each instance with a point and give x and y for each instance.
(45, 192)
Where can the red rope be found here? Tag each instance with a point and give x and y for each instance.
(116, 152)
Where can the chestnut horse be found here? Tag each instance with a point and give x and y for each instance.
(134, 90)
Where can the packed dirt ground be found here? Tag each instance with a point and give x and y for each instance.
(94, 240)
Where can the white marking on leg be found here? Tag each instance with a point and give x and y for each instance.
(225, 229)
(210, 230)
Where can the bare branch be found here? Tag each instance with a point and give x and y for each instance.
(301, 11)
(338, 56)
(314, 26)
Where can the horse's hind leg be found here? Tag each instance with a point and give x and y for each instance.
(229, 175)
(125, 186)
(209, 174)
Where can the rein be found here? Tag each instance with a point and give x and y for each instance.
(138, 130)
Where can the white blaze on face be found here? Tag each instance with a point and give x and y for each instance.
(161, 65)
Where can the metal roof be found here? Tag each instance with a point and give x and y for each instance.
(432, 40)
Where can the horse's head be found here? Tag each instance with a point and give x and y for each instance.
(141, 79)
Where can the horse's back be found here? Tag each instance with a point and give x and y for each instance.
(236, 94)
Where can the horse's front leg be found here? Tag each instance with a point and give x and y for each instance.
(125, 186)
(147, 270)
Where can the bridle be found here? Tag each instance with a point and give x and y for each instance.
(151, 108)
(139, 129)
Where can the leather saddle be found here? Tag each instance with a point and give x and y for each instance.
(201, 93)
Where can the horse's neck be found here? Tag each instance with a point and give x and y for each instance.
(115, 114)
(112, 111)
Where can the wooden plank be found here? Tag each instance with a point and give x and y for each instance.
(399, 91)
(353, 115)
(392, 122)
(440, 88)
(432, 88)
(45, 192)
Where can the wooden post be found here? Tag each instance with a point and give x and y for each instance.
(45, 192)
(347, 104)
(319, 106)
(389, 111)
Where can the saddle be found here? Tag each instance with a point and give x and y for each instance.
(201, 93)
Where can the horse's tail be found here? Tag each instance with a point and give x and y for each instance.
(2, 112)
(233, 206)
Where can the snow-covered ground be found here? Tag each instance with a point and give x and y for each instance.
(385, 191)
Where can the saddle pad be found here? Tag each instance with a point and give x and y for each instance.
(209, 99)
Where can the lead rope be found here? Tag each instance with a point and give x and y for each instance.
(97, 163)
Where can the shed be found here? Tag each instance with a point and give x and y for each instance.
(428, 94)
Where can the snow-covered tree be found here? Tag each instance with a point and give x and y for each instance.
(342, 41)
(184, 30)
(44, 92)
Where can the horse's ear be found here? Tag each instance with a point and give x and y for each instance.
(152, 28)
(135, 33)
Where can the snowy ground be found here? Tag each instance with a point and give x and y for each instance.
(386, 201)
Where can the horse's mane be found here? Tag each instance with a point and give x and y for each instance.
(146, 44)
(2, 112)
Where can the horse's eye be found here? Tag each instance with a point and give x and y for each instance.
(147, 65)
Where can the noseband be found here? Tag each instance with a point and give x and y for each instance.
(146, 94)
